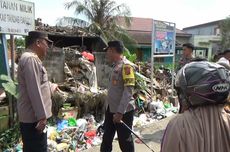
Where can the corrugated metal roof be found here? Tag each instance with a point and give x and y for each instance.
(204, 24)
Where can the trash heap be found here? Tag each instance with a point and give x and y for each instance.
(164, 102)
(73, 135)
(80, 87)
(70, 135)
(78, 107)
(80, 70)
(81, 95)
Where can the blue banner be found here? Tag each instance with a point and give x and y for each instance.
(4, 66)
(164, 37)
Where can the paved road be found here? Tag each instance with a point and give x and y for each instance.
(151, 134)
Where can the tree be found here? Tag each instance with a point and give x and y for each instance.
(225, 33)
(18, 41)
(102, 16)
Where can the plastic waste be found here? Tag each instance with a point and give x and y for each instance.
(52, 133)
(19, 148)
(81, 124)
(96, 141)
(91, 134)
(167, 105)
(62, 147)
(52, 145)
(62, 125)
(72, 122)
(88, 56)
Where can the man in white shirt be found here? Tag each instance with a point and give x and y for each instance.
(225, 60)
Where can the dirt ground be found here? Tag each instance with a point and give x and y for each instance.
(152, 135)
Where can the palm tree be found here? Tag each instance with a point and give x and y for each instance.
(102, 16)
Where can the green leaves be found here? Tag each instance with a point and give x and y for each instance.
(10, 86)
(9, 138)
(140, 81)
(129, 56)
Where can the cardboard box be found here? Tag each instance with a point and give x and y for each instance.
(71, 112)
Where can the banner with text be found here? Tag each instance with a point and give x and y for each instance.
(164, 37)
(16, 17)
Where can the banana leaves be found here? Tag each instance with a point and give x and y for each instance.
(10, 86)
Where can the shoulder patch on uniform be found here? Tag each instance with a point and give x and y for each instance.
(127, 70)
(128, 75)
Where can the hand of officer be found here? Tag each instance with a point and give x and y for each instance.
(41, 125)
(54, 87)
(117, 117)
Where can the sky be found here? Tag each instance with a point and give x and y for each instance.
(184, 13)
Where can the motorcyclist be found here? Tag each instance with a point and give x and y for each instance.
(203, 125)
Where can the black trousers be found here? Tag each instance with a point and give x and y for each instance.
(124, 135)
(33, 141)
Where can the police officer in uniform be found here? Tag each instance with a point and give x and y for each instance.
(187, 55)
(34, 105)
(120, 100)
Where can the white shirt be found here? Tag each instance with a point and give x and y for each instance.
(224, 62)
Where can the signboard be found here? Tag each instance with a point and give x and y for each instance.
(164, 37)
(68, 21)
(163, 44)
(16, 17)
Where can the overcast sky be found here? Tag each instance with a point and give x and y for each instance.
(183, 12)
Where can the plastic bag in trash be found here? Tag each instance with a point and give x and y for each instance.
(96, 141)
(82, 124)
(90, 134)
(72, 122)
(62, 125)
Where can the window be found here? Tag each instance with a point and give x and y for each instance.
(217, 31)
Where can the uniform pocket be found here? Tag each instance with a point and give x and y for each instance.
(44, 77)
(115, 78)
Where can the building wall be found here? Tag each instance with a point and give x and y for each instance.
(207, 36)
(203, 30)
(210, 42)
(54, 64)
(182, 40)
(146, 53)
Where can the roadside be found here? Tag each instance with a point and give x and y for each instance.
(151, 134)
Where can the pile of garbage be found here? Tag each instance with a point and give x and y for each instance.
(150, 110)
(72, 135)
(157, 105)
(79, 87)
(78, 107)
(61, 30)
(80, 70)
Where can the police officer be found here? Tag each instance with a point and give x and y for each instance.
(187, 55)
(120, 100)
(34, 105)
